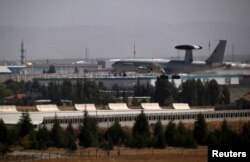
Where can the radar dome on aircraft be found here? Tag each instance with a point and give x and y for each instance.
(188, 47)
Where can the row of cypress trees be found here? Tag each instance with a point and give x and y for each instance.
(141, 135)
(192, 91)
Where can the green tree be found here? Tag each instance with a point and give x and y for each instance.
(201, 93)
(67, 90)
(213, 92)
(116, 133)
(225, 95)
(227, 135)
(3, 91)
(36, 87)
(116, 89)
(137, 88)
(4, 135)
(43, 138)
(245, 136)
(87, 131)
(170, 133)
(124, 96)
(184, 137)
(31, 141)
(26, 132)
(200, 130)
(79, 91)
(164, 91)
(189, 92)
(14, 87)
(70, 137)
(141, 131)
(181, 133)
(54, 92)
(90, 91)
(57, 134)
(105, 98)
(4, 138)
(190, 141)
(101, 86)
(213, 138)
(25, 125)
(159, 137)
(224, 137)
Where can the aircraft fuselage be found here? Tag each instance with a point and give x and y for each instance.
(169, 67)
(176, 67)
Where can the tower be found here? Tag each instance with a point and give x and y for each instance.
(134, 51)
(22, 53)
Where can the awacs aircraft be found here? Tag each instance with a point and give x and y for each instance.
(164, 66)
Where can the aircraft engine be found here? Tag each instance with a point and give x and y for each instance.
(157, 68)
(216, 64)
(143, 69)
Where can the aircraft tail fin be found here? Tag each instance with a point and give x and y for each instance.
(218, 53)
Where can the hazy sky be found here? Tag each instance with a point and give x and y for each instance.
(110, 12)
(109, 28)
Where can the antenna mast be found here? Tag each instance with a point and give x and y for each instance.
(209, 46)
(22, 53)
(134, 51)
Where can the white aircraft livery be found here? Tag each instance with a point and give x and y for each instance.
(164, 66)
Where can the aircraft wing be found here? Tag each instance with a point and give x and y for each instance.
(149, 68)
(138, 65)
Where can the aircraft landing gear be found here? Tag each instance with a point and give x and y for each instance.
(164, 77)
(172, 77)
(176, 76)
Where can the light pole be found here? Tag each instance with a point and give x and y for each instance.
(96, 133)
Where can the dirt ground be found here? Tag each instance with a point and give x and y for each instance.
(169, 154)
